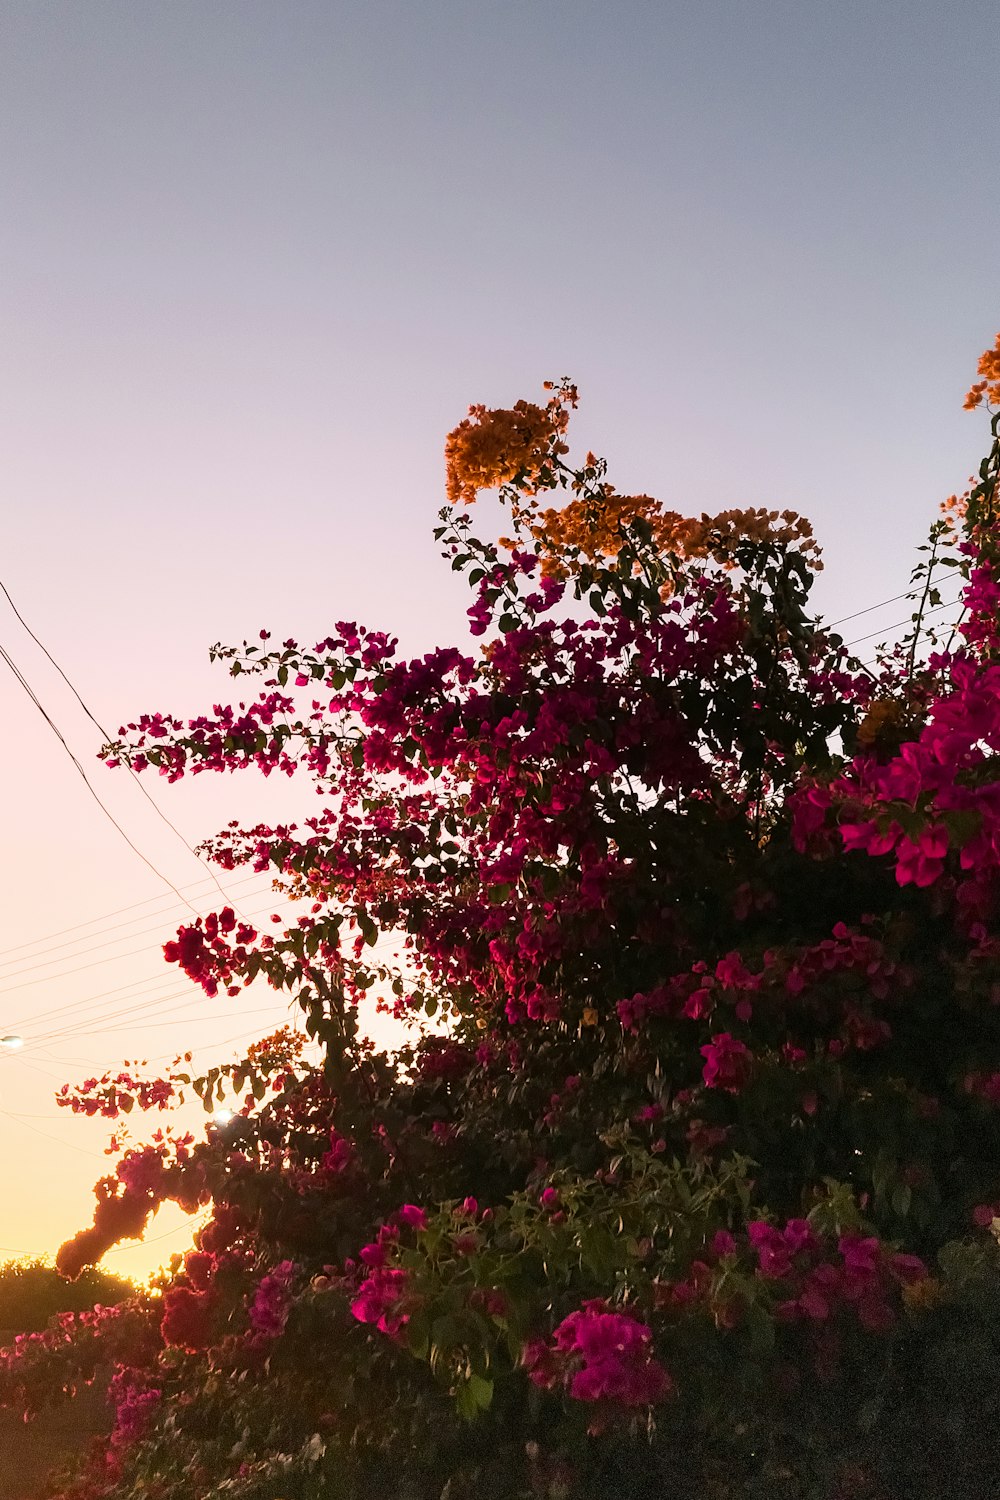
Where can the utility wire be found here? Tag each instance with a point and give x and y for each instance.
(70, 1030)
(71, 942)
(92, 1025)
(94, 964)
(264, 1010)
(44, 963)
(133, 987)
(155, 1238)
(72, 1146)
(866, 611)
(884, 629)
(4, 655)
(120, 992)
(133, 906)
(107, 740)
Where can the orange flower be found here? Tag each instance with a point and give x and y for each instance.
(522, 447)
(597, 525)
(491, 448)
(988, 388)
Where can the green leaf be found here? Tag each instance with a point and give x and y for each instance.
(418, 1335)
(760, 1328)
(902, 1197)
(481, 1390)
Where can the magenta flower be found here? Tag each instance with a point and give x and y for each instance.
(727, 1063)
(379, 1297)
(412, 1216)
(921, 862)
(272, 1300)
(723, 1243)
(607, 1357)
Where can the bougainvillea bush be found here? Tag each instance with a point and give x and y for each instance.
(687, 1180)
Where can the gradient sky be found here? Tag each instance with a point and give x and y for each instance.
(257, 258)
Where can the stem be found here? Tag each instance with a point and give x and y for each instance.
(921, 607)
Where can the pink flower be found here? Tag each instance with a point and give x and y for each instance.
(921, 862)
(860, 1253)
(133, 1415)
(412, 1216)
(908, 1268)
(698, 1004)
(610, 1379)
(379, 1297)
(727, 1063)
(798, 1235)
(774, 1256)
(340, 1154)
(732, 973)
(616, 1354)
(723, 1243)
(814, 1304)
(272, 1299)
(187, 1318)
(648, 1114)
(541, 1363)
(809, 807)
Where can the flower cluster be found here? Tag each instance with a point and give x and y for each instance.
(114, 1094)
(492, 448)
(600, 1355)
(988, 388)
(272, 1300)
(379, 1299)
(802, 1277)
(205, 955)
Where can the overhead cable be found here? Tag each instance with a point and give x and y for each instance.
(107, 740)
(5, 656)
(44, 963)
(102, 924)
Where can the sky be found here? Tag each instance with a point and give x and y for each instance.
(257, 258)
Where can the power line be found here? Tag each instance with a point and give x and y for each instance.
(382, 945)
(264, 1010)
(107, 740)
(120, 991)
(72, 1030)
(44, 963)
(79, 1026)
(866, 611)
(133, 906)
(72, 1146)
(154, 1239)
(109, 815)
(884, 629)
(95, 964)
(105, 926)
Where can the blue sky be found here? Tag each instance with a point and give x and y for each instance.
(257, 258)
